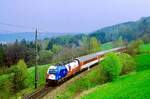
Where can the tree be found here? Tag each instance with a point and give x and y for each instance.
(127, 62)
(56, 48)
(146, 38)
(45, 56)
(5, 88)
(20, 75)
(85, 44)
(111, 66)
(23, 42)
(118, 42)
(49, 46)
(2, 56)
(94, 45)
(134, 47)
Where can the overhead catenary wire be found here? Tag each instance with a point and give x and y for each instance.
(8, 31)
(40, 30)
(18, 26)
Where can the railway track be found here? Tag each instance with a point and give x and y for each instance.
(38, 94)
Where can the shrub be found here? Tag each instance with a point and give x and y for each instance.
(111, 66)
(128, 63)
(5, 87)
(134, 47)
(20, 75)
(82, 83)
(6, 70)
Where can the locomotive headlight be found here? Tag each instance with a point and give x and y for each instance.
(52, 77)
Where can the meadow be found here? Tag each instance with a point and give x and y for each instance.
(131, 86)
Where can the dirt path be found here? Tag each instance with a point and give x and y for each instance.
(53, 94)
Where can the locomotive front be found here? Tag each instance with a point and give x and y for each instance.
(55, 74)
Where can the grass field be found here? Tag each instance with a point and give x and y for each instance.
(83, 83)
(145, 48)
(133, 86)
(41, 75)
(142, 61)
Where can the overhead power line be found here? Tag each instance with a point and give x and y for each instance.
(8, 31)
(18, 26)
(41, 30)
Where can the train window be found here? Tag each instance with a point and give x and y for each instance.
(52, 71)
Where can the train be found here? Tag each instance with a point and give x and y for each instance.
(58, 73)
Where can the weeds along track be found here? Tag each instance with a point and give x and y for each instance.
(38, 94)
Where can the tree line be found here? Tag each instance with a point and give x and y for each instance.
(50, 50)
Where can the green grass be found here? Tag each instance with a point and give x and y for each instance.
(142, 61)
(87, 81)
(41, 75)
(135, 86)
(145, 48)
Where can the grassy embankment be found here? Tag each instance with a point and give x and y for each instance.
(131, 86)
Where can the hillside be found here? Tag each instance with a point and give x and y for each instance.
(132, 86)
(128, 30)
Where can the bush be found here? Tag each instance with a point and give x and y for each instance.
(111, 66)
(20, 75)
(82, 83)
(128, 63)
(5, 86)
(134, 47)
(6, 70)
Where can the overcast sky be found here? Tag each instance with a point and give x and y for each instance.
(70, 15)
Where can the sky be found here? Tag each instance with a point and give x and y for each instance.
(69, 15)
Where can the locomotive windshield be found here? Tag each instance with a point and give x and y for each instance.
(52, 71)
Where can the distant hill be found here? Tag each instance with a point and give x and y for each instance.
(128, 30)
(29, 36)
